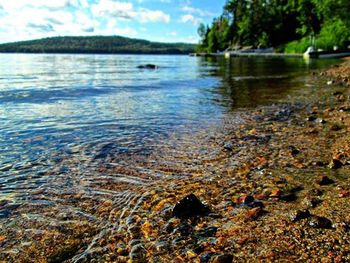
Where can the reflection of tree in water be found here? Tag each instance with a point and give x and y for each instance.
(248, 82)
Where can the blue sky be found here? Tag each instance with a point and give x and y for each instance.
(156, 20)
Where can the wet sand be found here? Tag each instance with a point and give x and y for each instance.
(275, 182)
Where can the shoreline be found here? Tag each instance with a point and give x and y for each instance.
(281, 156)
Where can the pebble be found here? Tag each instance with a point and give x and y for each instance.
(311, 118)
(311, 202)
(320, 222)
(228, 146)
(335, 127)
(325, 180)
(337, 93)
(207, 232)
(224, 258)
(299, 215)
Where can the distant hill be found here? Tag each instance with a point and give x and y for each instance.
(96, 45)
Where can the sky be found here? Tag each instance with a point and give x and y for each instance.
(155, 20)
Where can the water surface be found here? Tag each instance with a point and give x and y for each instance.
(56, 107)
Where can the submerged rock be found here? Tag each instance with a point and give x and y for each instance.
(224, 258)
(190, 206)
(325, 180)
(207, 232)
(148, 66)
(311, 118)
(320, 222)
(249, 201)
(335, 164)
(299, 215)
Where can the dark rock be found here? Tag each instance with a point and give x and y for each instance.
(148, 66)
(258, 139)
(224, 258)
(207, 232)
(311, 202)
(336, 127)
(325, 180)
(337, 93)
(293, 150)
(299, 215)
(5, 213)
(311, 118)
(320, 222)
(190, 206)
(319, 163)
(315, 192)
(185, 229)
(138, 253)
(320, 120)
(205, 257)
(228, 146)
(198, 249)
(249, 201)
(288, 197)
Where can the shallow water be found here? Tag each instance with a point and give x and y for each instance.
(56, 107)
(89, 143)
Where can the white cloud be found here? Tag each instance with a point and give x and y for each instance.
(126, 11)
(192, 10)
(31, 19)
(190, 19)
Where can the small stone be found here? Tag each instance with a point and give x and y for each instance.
(138, 253)
(320, 222)
(228, 146)
(191, 254)
(190, 206)
(293, 150)
(335, 127)
(311, 202)
(335, 164)
(275, 193)
(205, 257)
(255, 212)
(246, 199)
(325, 180)
(344, 193)
(184, 229)
(320, 120)
(224, 258)
(311, 118)
(337, 93)
(315, 192)
(249, 201)
(288, 197)
(207, 232)
(299, 215)
(319, 163)
(330, 82)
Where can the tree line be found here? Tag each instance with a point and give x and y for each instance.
(286, 25)
(96, 45)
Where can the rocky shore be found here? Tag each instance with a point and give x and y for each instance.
(274, 187)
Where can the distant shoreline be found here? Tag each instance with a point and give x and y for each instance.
(97, 45)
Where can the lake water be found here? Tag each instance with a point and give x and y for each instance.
(88, 142)
(56, 107)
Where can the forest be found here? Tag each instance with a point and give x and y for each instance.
(289, 26)
(96, 45)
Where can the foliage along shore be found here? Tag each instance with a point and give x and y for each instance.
(288, 26)
(96, 45)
